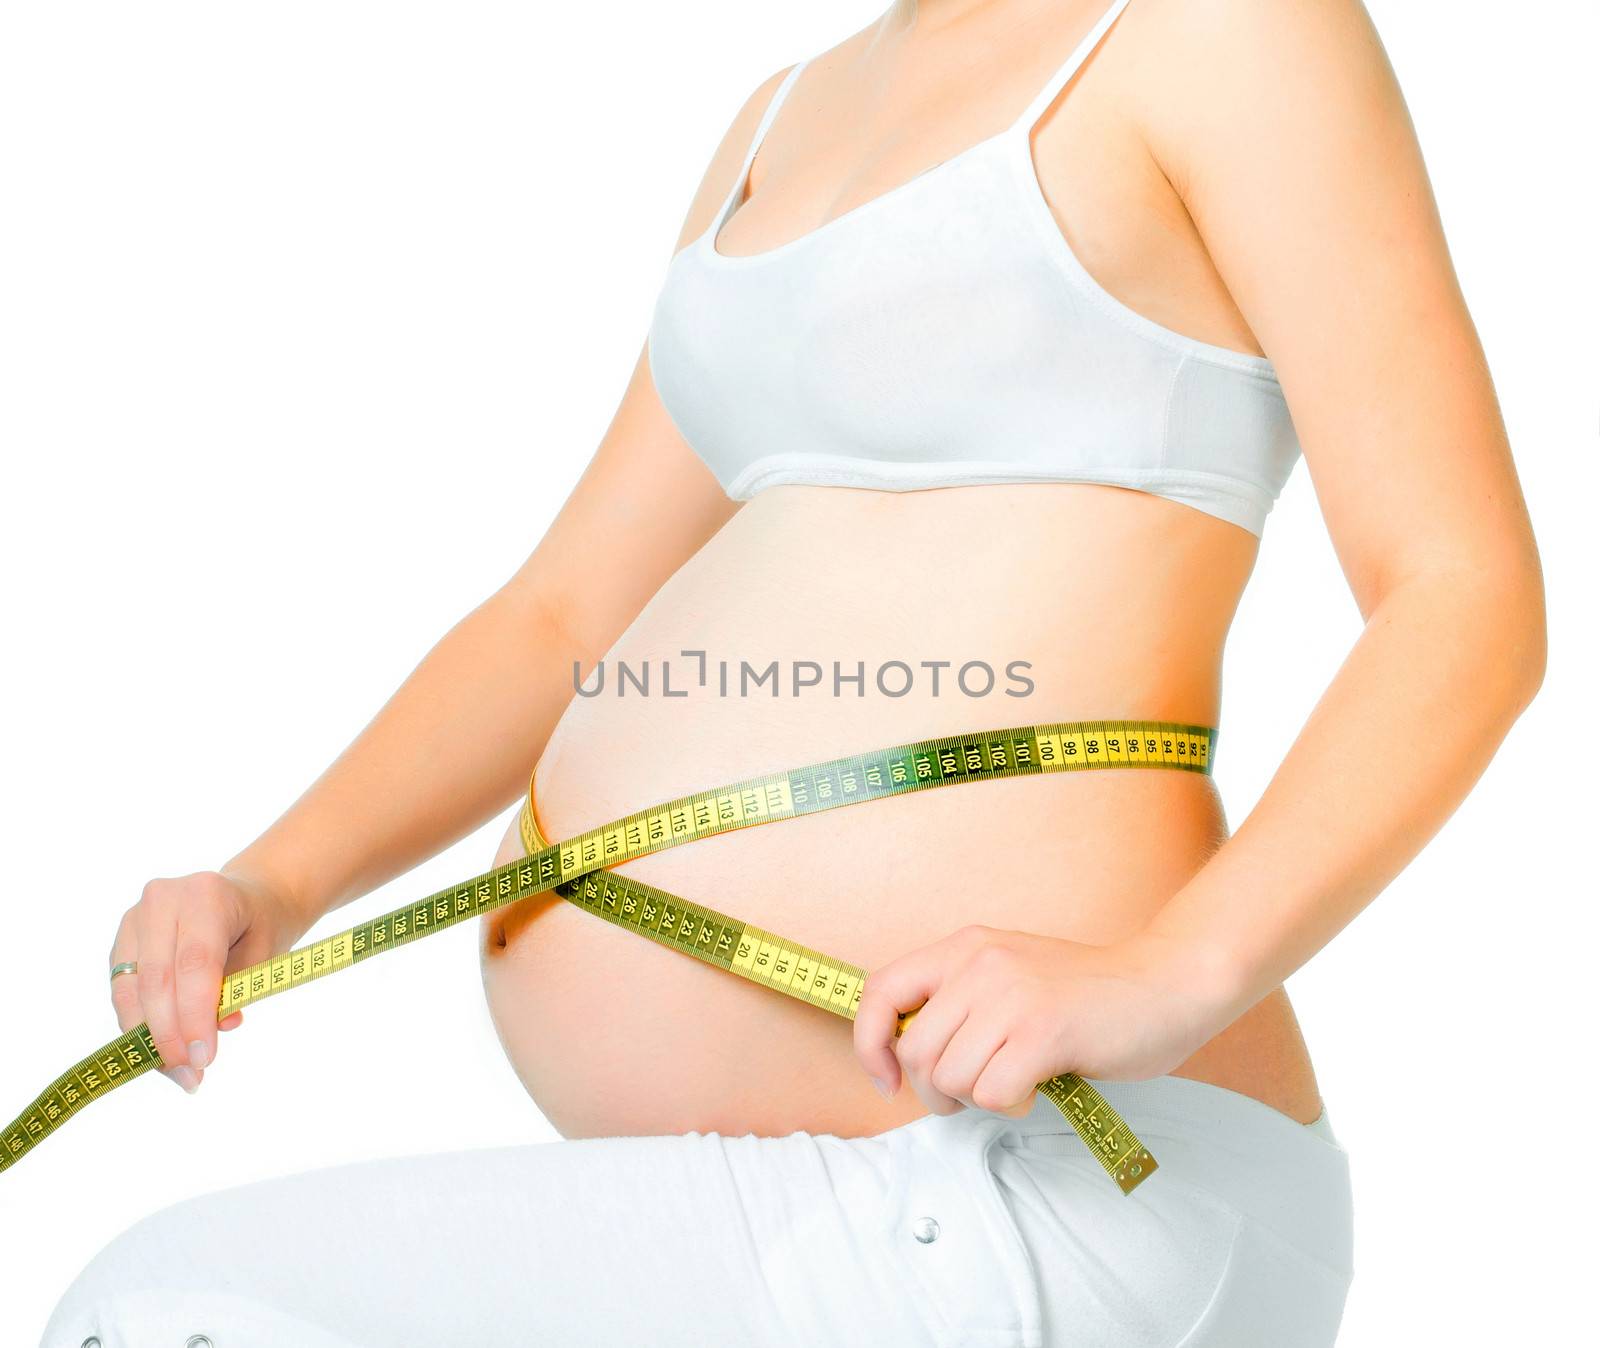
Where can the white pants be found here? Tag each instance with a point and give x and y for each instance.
(967, 1228)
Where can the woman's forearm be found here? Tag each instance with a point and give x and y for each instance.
(1443, 668)
(453, 745)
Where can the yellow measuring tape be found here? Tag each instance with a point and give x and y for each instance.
(570, 869)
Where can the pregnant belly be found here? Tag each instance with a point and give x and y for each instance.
(1085, 602)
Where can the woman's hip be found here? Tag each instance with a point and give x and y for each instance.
(1242, 1237)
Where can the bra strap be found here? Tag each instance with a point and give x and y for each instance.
(773, 104)
(1080, 54)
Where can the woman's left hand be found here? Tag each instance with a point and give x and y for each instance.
(1001, 1011)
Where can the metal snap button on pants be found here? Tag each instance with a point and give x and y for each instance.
(947, 1225)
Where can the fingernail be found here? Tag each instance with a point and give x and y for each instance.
(197, 1054)
(883, 1088)
(186, 1078)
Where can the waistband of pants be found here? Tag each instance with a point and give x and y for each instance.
(1184, 1103)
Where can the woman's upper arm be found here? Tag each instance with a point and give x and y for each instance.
(1283, 128)
(646, 502)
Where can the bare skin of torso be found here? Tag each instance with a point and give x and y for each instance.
(1119, 600)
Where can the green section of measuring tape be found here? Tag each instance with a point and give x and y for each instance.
(569, 869)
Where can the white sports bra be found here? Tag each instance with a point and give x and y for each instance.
(944, 334)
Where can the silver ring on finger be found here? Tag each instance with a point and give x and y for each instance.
(125, 967)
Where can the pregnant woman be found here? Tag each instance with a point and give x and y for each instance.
(993, 333)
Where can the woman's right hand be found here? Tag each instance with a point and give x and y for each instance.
(187, 933)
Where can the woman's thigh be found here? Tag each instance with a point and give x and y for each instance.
(969, 1228)
(689, 1239)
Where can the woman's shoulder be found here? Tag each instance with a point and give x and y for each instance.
(1261, 47)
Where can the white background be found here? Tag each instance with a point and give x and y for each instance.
(310, 315)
